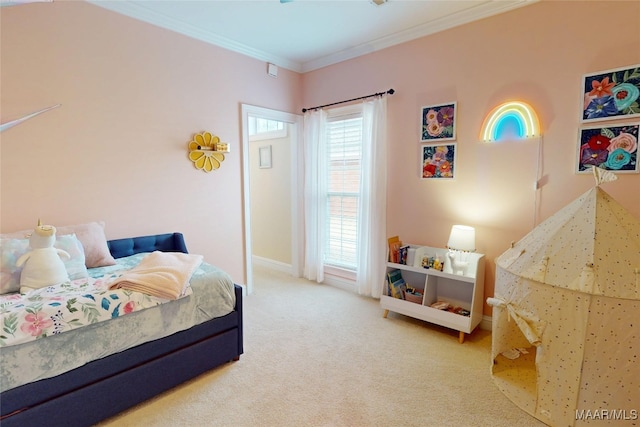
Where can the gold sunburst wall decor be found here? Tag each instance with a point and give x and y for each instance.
(206, 151)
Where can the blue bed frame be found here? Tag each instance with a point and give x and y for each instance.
(108, 386)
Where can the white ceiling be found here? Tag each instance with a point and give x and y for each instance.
(304, 35)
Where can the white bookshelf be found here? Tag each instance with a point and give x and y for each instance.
(465, 291)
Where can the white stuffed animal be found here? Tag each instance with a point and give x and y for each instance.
(43, 265)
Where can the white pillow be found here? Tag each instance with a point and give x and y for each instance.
(76, 268)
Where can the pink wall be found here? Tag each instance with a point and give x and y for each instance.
(132, 96)
(537, 54)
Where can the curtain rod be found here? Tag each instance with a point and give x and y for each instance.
(390, 92)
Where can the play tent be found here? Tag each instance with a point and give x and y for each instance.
(566, 316)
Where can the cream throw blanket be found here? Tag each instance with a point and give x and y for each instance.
(161, 274)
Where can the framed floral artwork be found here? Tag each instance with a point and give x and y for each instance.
(438, 122)
(613, 148)
(611, 94)
(438, 161)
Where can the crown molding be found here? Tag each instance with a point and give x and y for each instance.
(482, 10)
(141, 13)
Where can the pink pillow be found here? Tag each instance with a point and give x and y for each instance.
(94, 242)
(92, 237)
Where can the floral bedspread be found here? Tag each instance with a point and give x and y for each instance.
(70, 305)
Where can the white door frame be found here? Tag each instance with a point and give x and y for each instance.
(296, 186)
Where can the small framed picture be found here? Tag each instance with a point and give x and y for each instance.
(611, 147)
(438, 122)
(611, 94)
(438, 161)
(265, 157)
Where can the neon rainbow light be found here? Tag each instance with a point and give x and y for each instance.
(515, 117)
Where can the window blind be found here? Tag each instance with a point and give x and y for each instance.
(344, 145)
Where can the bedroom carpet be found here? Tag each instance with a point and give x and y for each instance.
(316, 355)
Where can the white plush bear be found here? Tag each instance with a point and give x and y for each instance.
(42, 265)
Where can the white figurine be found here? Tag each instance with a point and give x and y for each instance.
(43, 265)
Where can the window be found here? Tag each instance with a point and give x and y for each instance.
(344, 145)
(260, 129)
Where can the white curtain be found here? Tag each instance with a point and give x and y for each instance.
(315, 193)
(371, 257)
(372, 221)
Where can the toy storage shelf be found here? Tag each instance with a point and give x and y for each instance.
(465, 291)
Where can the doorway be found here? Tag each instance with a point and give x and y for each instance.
(264, 166)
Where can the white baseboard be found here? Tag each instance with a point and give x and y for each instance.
(272, 264)
(337, 281)
(486, 323)
(340, 282)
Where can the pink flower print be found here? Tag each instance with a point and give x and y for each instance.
(434, 129)
(626, 141)
(129, 307)
(431, 116)
(35, 324)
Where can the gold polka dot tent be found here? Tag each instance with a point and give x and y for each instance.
(566, 316)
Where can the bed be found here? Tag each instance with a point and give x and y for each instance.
(106, 386)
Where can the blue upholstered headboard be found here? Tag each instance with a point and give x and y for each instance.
(171, 242)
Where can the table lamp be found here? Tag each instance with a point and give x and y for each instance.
(462, 240)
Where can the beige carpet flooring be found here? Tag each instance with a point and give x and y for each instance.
(316, 355)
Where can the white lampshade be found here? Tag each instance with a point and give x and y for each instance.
(462, 238)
